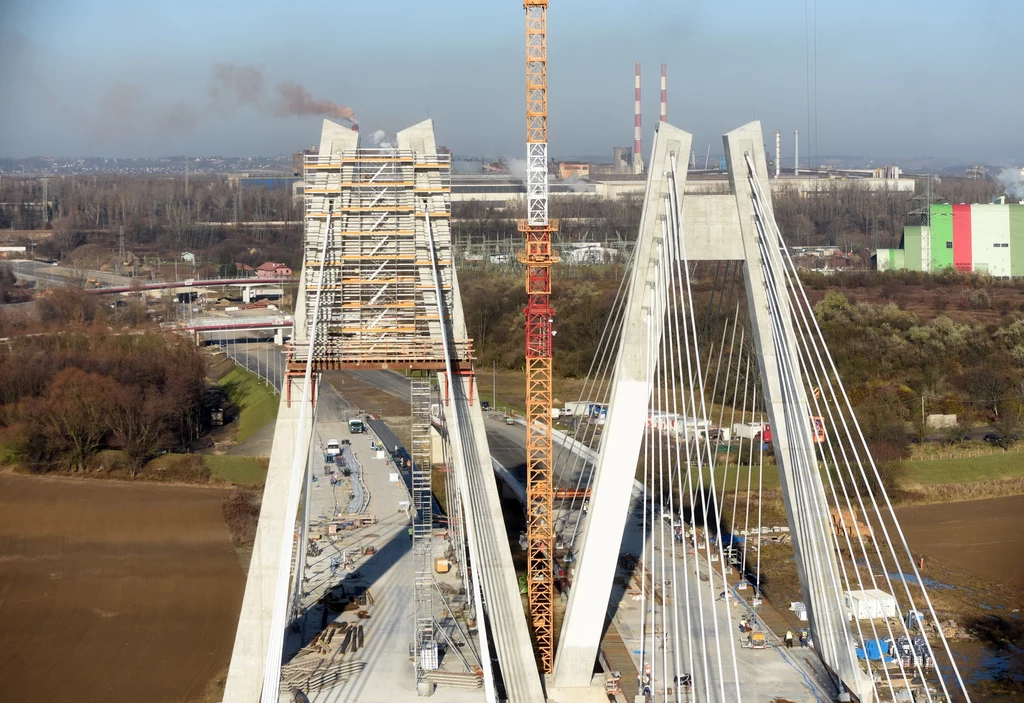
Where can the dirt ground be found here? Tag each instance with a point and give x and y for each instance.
(113, 591)
(983, 537)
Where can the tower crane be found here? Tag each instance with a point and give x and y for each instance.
(537, 257)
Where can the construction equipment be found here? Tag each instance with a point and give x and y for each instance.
(537, 257)
(755, 640)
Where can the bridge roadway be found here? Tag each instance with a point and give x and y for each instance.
(507, 442)
(388, 574)
(53, 276)
(795, 674)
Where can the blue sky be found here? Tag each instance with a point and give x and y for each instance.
(894, 78)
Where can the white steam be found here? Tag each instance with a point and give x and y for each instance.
(1012, 180)
(380, 140)
(517, 168)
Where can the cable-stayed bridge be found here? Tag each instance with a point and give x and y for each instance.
(658, 510)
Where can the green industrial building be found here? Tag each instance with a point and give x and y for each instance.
(969, 238)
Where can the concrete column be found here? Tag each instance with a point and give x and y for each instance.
(623, 432)
(789, 414)
(252, 639)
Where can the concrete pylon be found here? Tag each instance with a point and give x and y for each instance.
(717, 228)
(789, 413)
(623, 432)
(252, 639)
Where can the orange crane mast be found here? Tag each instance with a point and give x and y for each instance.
(537, 257)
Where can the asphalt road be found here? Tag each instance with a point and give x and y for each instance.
(507, 442)
(388, 381)
(263, 358)
(50, 276)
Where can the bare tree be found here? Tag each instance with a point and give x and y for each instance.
(74, 415)
(137, 423)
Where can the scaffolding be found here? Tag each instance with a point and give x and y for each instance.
(378, 250)
(379, 303)
(425, 642)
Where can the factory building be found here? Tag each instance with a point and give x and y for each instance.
(969, 238)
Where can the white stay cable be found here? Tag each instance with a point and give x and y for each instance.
(682, 457)
(490, 694)
(684, 345)
(818, 336)
(661, 390)
(272, 667)
(680, 239)
(645, 497)
(806, 362)
(604, 360)
(750, 468)
(804, 471)
(728, 447)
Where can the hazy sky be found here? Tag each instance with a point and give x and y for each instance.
(127, 78)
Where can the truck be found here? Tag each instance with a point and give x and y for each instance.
(333, 448)
(356, 426)
(817, 427)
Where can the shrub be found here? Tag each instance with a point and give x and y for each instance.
(242, 514)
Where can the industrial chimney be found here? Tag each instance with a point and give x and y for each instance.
(796, 152)
(664, 99)
(638, 163)
(778, 152)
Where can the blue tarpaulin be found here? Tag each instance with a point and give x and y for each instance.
(875, 650)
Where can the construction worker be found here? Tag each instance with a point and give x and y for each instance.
(789, 639)
(803, 638)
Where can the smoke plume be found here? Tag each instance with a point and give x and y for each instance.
(294, 99)
(1012, 182)
(124, 106)
(380, 139)
(234, 86)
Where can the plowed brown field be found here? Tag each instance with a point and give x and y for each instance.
(113, 591)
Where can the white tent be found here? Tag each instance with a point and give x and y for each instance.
(870, 604)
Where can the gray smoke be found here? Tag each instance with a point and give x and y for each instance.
(1012, 182)
(293, 99)
(234, 86)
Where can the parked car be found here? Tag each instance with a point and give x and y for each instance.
(484, 405)
(993, 438)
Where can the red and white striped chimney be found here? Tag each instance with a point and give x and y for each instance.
(664, 98)
(637, 133)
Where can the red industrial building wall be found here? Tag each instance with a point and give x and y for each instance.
(962, 238)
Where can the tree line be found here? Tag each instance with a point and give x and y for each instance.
(159, 215)
(162, 216)
(889, 358)
(66, 396)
